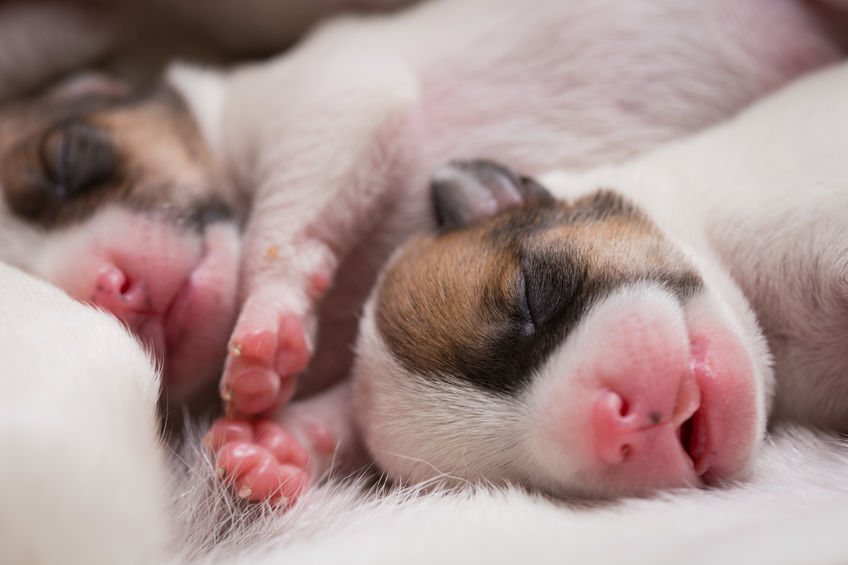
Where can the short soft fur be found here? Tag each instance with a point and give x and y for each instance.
(98, 470)
(83, 482)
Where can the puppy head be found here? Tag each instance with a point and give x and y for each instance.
(564, 345)
(112, 195)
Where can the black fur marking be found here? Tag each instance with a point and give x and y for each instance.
(77, 158)
(59, 176)
(207, 212)
(559, 283)
(556, 292)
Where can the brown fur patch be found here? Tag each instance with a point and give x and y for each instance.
(488, 303)
(61, 159)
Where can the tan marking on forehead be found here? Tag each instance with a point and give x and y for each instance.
(444, 297)
(615, 247)
(166, 158)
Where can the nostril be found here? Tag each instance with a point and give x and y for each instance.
(110, 281)
(613, 426)
(124, 288)
(624, 409)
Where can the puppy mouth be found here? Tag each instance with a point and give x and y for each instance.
(201, 314)
(694, 438)
(702, 434)
(188, 329)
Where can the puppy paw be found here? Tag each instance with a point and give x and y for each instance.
(266, 353)
(259, 460)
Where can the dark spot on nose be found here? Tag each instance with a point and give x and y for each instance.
(207, 212)
(656, 418)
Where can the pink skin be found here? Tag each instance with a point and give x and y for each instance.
(270, 344)
(260, 459)
(408, 117)
(159, 280)
(265, 459)
(646, 372)
(727, 428)
(638, 424)
(269, 347)
(261, 368)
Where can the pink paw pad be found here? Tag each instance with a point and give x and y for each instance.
(261, 369)
(260, 460)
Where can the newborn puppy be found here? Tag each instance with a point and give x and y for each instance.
(335, 140)
(134, 202)
(113, 196)
(594, 337)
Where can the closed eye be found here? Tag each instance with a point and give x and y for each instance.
(551, 284)
(525, 313)
(76, 157)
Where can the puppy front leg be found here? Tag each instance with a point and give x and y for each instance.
(328, 162)
(326, 166)
(82, 471)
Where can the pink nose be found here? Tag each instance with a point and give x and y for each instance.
(621, 427)
(124, 298)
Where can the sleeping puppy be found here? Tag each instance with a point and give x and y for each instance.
(767, 187)
(211, 217)
(113, 196)
(604, 333)
(335, 140)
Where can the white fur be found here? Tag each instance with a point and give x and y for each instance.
(82, 471)
(791, 513)
(751, 197)
(82, 483)
(335, 139)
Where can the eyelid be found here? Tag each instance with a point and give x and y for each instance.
(76, 157)
(523, 295)
(50, 153)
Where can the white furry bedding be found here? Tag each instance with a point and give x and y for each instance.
(791, 510)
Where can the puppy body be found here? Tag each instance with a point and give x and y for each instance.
(751, 209)
(120, 419)
(336, 192)
(343, 186)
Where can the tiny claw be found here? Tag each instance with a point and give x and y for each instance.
(244, 492)
(227, 393)
(221, 473)
(207, 440)
(279, 501)
(235, 350)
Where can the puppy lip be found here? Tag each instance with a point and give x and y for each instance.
(694, 439)
(689, 419)
(709, 443)
(200, 311)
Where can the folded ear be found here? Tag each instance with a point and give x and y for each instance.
(466, 191)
